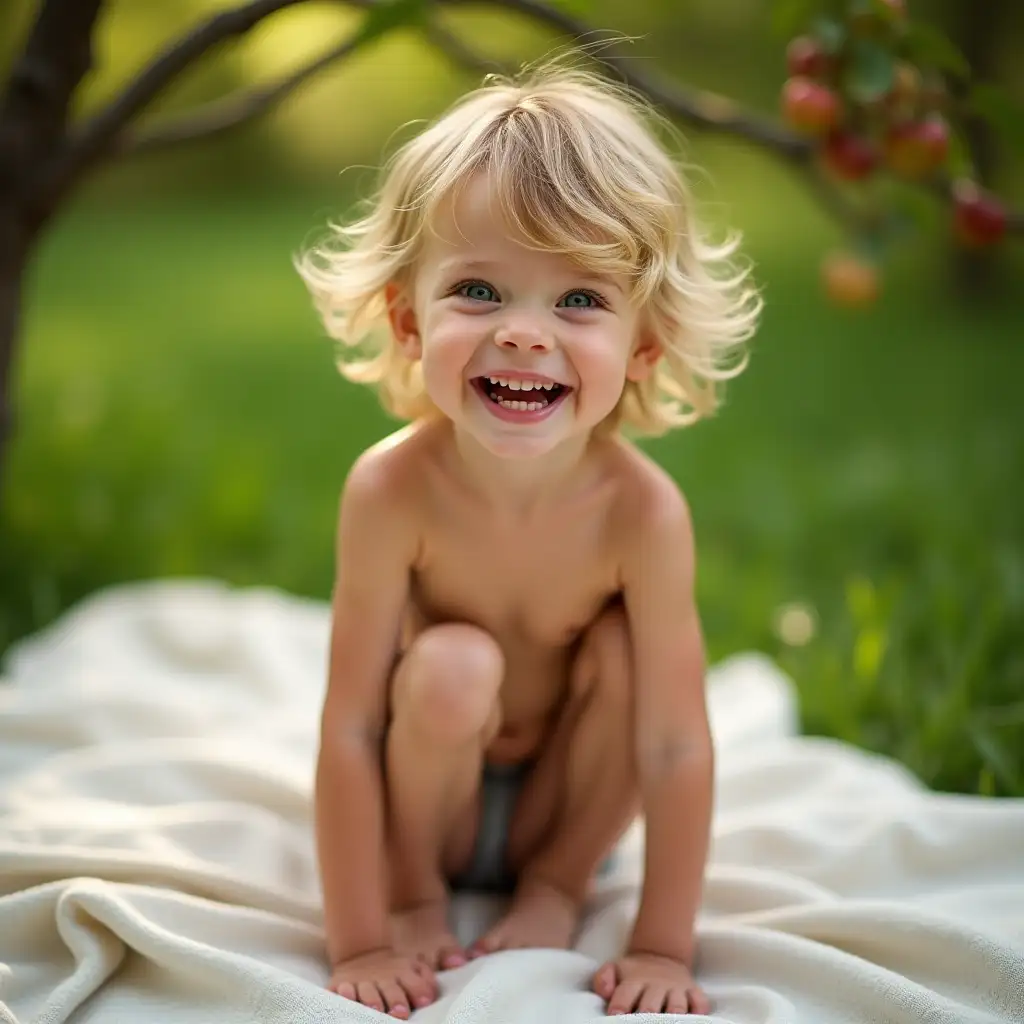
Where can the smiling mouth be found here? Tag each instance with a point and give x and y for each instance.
(520, 396)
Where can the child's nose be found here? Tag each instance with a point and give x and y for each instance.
(523, 336)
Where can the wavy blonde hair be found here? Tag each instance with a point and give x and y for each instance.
(578, 169)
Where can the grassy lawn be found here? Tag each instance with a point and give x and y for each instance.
(179, 415)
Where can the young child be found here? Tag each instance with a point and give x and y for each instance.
(516, 664)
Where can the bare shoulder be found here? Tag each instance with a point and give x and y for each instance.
(381, 500)
(387, 470)
(388, 479)
(649, 503)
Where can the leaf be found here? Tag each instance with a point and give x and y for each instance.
(926, 44)
(790, 16)
(1002, 113)
(870, 73)
(830, 33)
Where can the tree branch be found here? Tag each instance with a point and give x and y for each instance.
(705, 110)
(833, 201)
(221, 116)
(89, 143)
(108, 131)
(34, 107)
(700, 109)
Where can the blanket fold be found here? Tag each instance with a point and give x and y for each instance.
(157, 866)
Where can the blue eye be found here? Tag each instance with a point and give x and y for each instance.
(579, 300)
(478, 292)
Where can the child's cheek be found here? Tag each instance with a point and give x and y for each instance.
(601, 369)
(446, 356)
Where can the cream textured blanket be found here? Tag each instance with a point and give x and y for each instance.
(156, 863)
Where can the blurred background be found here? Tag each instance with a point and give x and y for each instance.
(859, 501)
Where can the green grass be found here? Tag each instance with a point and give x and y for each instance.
(179, 415)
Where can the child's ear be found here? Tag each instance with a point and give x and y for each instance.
(402, 317)
(644, 357)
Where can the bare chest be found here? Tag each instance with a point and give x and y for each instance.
(535, 584)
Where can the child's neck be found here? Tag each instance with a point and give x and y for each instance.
(521, 484)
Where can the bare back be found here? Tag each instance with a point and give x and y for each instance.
(533, 579)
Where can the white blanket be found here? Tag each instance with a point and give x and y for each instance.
(156, 864)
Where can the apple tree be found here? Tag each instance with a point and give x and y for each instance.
(872, 95)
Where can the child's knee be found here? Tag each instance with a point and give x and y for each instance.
(448, 683)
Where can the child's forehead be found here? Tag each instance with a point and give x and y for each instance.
(475, 223)
(473, 213)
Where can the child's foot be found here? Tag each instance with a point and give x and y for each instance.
(540, 917)
(422, 932)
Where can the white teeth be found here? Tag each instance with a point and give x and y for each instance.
(518, 406)
(521, 385)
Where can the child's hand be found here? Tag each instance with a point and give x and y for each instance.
(385, 981)
(645, 983)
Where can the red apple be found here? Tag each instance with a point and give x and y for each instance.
(809, 107)
(979, 218)
(850, 280)
(913, 149)
(850, 157)
(805, 57)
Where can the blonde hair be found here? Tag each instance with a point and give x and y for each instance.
(578, 169)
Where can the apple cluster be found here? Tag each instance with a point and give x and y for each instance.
(900, 129)
(903, 131)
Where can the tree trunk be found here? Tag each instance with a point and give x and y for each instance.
(33, 131)
(13, 256)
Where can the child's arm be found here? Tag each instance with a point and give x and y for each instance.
(674, 746)
(375, 547)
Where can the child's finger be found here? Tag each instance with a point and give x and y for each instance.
(604, 981)
(345, 989)
(452, 957)
(395, 998)
(652, 999)
(624, 997)
(421, 987)
(369, 995)
(699, 1002)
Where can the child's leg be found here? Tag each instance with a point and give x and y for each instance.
(444, 712)
(580, 798)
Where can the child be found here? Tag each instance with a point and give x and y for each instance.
(516, 662)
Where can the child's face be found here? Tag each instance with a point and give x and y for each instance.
(486, 309)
